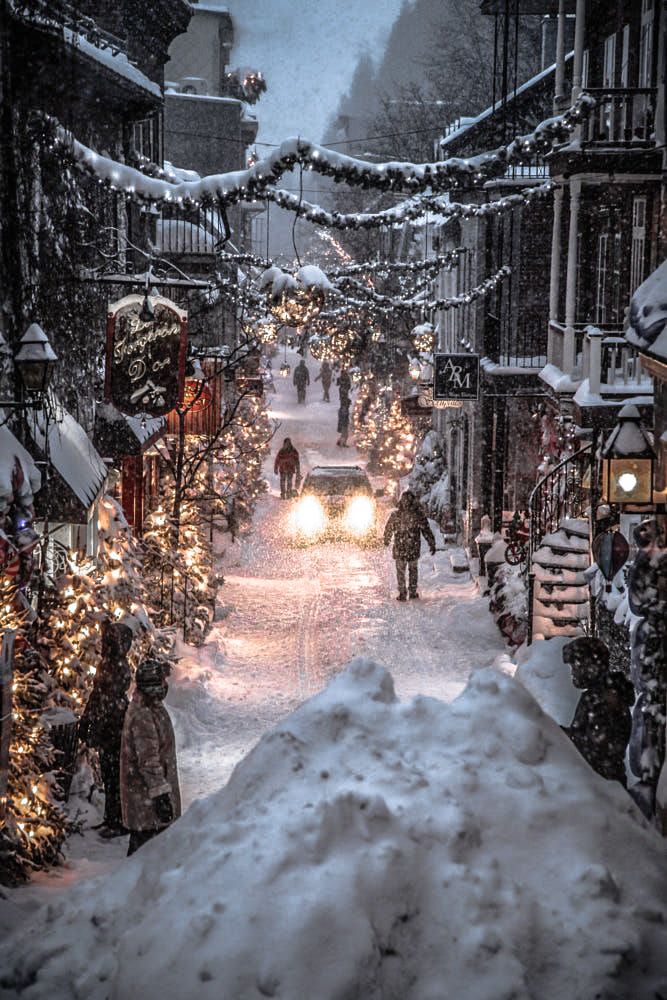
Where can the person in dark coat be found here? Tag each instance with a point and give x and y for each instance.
(325, 377)
(344, 384)
(150, 793)
(287, 467)
(343, 421)
(101, 724)
(602, 721)
(406, 525)
(301, 381)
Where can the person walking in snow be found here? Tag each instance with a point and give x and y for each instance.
(343, 421)
(101, 724)
(325, 377)
(602, 721)
(150, 793)
(287, 467)
(344, 384)
(406, 525)
(301, 380)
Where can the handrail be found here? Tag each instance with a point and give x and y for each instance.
(554, 473)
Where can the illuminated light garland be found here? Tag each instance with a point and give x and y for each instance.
(446, 260)
(389, 303)
(409, 210)
(423, 338)
(297, 298)
(249, 184)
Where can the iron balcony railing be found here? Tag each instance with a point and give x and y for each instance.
(623, 116)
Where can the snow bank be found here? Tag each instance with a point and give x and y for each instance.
(542, 672)
(368, 848)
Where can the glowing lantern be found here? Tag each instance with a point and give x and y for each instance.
(627, 461)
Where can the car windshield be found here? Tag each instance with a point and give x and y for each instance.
(336, 484)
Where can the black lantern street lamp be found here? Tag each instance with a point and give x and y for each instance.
(35, 360)
(627, 461)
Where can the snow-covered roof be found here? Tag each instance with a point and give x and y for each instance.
(467, 123)
(370, 847)
(143, 427)
(208, 7)
(115, 61)
(71, 453)
(648, 315)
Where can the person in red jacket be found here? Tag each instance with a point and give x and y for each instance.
(287, 467)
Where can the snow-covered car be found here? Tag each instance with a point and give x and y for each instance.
(336, 501)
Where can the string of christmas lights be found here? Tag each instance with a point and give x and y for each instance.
(249, 184)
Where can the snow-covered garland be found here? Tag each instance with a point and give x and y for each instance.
(246, 185)
(448, 259)
(410, 209)
(390, 302)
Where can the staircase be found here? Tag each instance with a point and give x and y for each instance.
(560, 594)
(559, 549)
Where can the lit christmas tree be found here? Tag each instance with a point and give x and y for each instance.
(396, 451)
(32, 826)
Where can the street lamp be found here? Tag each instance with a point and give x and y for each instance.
(415, 370)
(627, 461)
(35, 360)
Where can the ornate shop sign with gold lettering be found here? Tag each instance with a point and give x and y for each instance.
(145, 355)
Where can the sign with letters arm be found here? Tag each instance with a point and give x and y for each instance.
(456, 377)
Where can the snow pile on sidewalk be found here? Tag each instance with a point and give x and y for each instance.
(368, 848)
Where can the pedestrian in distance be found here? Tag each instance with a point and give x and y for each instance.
(287, 466)
(344, 384)
(101, 725)
(343, 421)
(602, 720)
(150, 793)
(406, 525)
(325, 377)
(301, 380)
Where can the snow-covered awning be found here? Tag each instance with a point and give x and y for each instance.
(648, 316)
(81, 473)
(117, 434)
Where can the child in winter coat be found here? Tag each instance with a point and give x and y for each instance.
(602, 722)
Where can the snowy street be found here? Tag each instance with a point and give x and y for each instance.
(295, 616)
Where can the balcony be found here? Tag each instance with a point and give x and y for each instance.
(601, 358)
(191, 237)
(520, 346)
(625, 116)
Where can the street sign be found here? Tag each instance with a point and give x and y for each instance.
(455, 377)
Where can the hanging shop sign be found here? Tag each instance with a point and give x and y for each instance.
(427, 402)
(145, 356)
(455, 378)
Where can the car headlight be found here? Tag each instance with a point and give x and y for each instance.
(360, 515)
(309, 517)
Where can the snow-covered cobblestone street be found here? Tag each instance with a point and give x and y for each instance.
(295, 616)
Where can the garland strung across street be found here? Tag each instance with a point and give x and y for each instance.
(410, 209)
(449, 259)
(249, 184)
(389, 303)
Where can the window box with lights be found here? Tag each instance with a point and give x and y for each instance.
(627, 462)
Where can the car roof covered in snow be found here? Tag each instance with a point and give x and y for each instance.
(337, 470)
